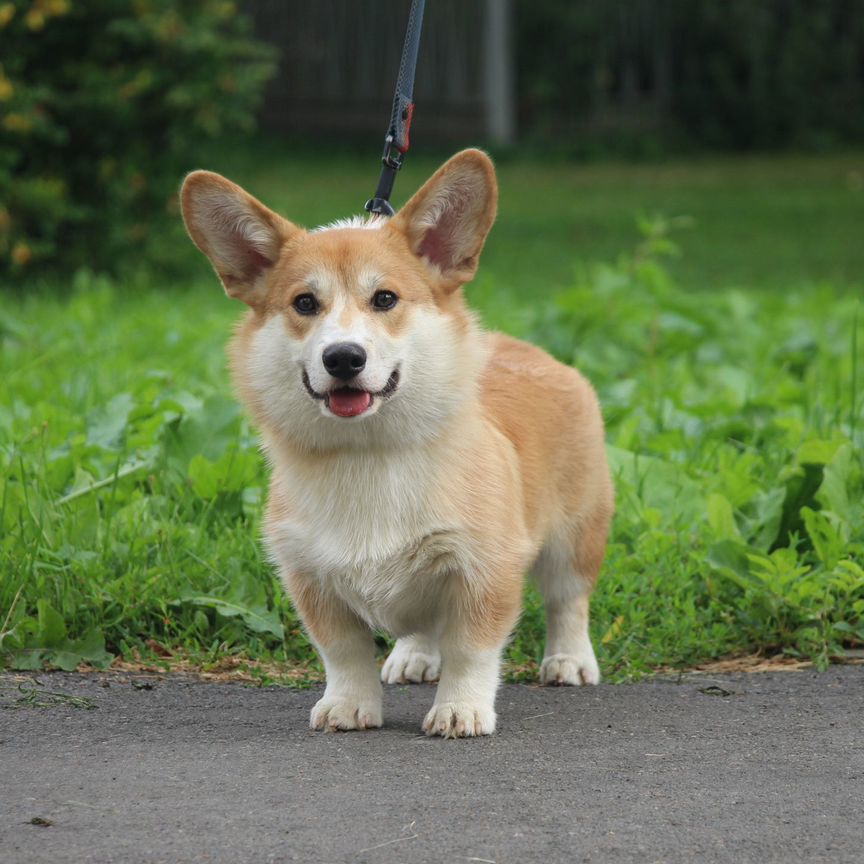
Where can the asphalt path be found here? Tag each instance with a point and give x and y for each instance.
(731, 768)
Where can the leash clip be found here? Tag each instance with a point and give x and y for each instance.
(379, 207)
(392, 157)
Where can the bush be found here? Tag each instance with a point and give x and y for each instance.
(101, 105)
(739, 74)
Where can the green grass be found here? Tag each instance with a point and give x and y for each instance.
(730, 377)
(766, 222)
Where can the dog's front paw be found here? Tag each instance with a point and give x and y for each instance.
(339, 715)
(459, 720)
(411, 661)
(572, 669)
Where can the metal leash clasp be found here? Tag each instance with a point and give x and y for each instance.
(392, 157)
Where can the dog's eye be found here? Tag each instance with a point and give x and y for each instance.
(384, 300)
(306, 304)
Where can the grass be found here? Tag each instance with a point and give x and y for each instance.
(763, 222)
(730, 377)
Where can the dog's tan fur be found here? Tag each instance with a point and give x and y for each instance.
(421, 515)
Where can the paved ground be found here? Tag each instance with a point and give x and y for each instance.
(728, 768)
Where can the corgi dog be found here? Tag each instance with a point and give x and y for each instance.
(420, 465)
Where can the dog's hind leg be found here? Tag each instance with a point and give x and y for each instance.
(414, 659)
(566, 572)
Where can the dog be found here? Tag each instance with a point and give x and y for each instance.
(420, 465)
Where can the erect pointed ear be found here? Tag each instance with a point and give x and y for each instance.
(447, 221)
(240, 236)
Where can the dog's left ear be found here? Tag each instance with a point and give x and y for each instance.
(447, 221)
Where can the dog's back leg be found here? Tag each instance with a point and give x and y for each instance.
(414, 659)
(566, 572)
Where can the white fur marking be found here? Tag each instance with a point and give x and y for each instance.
(365, 222)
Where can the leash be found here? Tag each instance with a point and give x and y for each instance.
(396, 141)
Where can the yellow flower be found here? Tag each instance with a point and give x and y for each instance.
(17, 123)
(6, 88)
(21, 254)
(35, 19)
(7, 13)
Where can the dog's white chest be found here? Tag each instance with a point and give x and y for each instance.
(400, 592)
(374, 535)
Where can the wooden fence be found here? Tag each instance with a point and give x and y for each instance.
(733, 72)
(339, 59)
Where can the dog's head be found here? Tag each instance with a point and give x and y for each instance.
(358, 334)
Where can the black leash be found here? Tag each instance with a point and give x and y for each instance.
(396, 142)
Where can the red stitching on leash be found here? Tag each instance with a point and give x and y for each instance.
(408, 119)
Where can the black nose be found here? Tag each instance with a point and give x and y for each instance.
(344, 360)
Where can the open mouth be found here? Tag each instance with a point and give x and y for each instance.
(352, 401)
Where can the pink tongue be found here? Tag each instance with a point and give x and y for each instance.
(349, 403)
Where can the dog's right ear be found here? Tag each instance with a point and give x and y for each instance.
(240, 236)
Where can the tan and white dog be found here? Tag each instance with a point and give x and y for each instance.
(421, 466)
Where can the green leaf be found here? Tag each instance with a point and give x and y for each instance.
(207, 431)
(106, 428)
(204, 476)
(66, 660)
(826, 531)
(27, 660)
(258, 619)
(657, 483)
(818, 451)
(832, 494)
(52, 630)
(721, 518)
(731, 560)
(231, 472)
(762, 517)
(91, 648)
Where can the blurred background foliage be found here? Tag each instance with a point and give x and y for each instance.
(104, 103)
(100, 103)
(692, 73)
